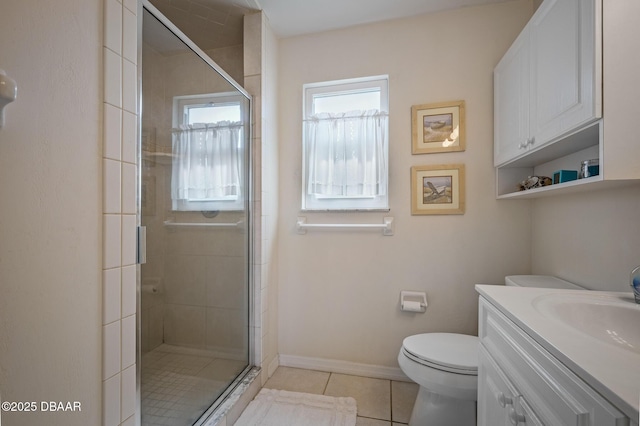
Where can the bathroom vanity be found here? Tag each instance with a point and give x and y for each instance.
(557, 357)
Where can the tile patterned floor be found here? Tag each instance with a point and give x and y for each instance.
(380, 402)
(177, 387)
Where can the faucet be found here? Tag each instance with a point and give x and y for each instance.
(635, 283)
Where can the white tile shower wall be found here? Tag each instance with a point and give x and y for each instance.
(260, 58)
(192, 269)
(252, 65)
(119, 208)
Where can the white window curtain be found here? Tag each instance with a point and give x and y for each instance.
(346, 154)
(207, 164)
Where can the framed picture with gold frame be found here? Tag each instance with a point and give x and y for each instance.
(437, 189)
(438, 127)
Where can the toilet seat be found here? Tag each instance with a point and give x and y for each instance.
(454, 353)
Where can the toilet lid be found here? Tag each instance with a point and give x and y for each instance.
(454, 352)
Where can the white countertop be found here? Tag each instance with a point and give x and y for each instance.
(612, 372)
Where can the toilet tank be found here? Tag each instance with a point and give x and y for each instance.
(542, 281)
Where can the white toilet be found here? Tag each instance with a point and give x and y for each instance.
(445, 365)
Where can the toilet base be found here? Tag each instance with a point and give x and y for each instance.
(431, 409)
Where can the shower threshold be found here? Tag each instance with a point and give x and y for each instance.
(232, 398)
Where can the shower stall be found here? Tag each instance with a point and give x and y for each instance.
(195, 286)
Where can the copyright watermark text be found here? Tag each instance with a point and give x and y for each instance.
(41, 406)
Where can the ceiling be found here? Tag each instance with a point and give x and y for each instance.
(294, 17)
(213, 24)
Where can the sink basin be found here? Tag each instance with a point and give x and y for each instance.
(611, 319)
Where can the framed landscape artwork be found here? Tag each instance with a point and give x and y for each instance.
(437, 189)
(438, 127)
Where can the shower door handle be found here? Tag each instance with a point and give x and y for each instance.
(142, 245)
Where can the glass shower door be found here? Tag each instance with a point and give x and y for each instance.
(194, 336)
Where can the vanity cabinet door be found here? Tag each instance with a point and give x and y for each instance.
(494, 393)
(528, 418)
(565, 78)
(499, 402)
(511, 102)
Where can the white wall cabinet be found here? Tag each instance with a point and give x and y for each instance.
(548, 83)
(566, 82)
(566, 67)
(511, 102)
(520, 383)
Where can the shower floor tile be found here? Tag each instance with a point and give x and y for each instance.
(178, 386)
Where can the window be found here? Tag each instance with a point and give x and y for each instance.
(208, 152)
(209, 108)
(345, 145)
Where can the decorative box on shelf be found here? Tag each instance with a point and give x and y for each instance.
(562, 176)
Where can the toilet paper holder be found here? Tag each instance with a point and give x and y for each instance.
(413, 301)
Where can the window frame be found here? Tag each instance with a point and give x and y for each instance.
(343, 203)
(179, 118)
(180, 102)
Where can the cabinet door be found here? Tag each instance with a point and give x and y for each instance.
(511, 101)
(495, 396)
(498, 401)
(525, 414)
(565, 75)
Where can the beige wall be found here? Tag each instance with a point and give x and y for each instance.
(591, 239)
(339, 291)
(50, 221)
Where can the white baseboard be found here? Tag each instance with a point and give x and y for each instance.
(343, 367)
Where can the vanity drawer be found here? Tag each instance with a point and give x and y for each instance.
(556, 395)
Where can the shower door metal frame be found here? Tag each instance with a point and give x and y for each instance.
(146, 4)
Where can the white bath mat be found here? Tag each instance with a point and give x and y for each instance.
(272, 407)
